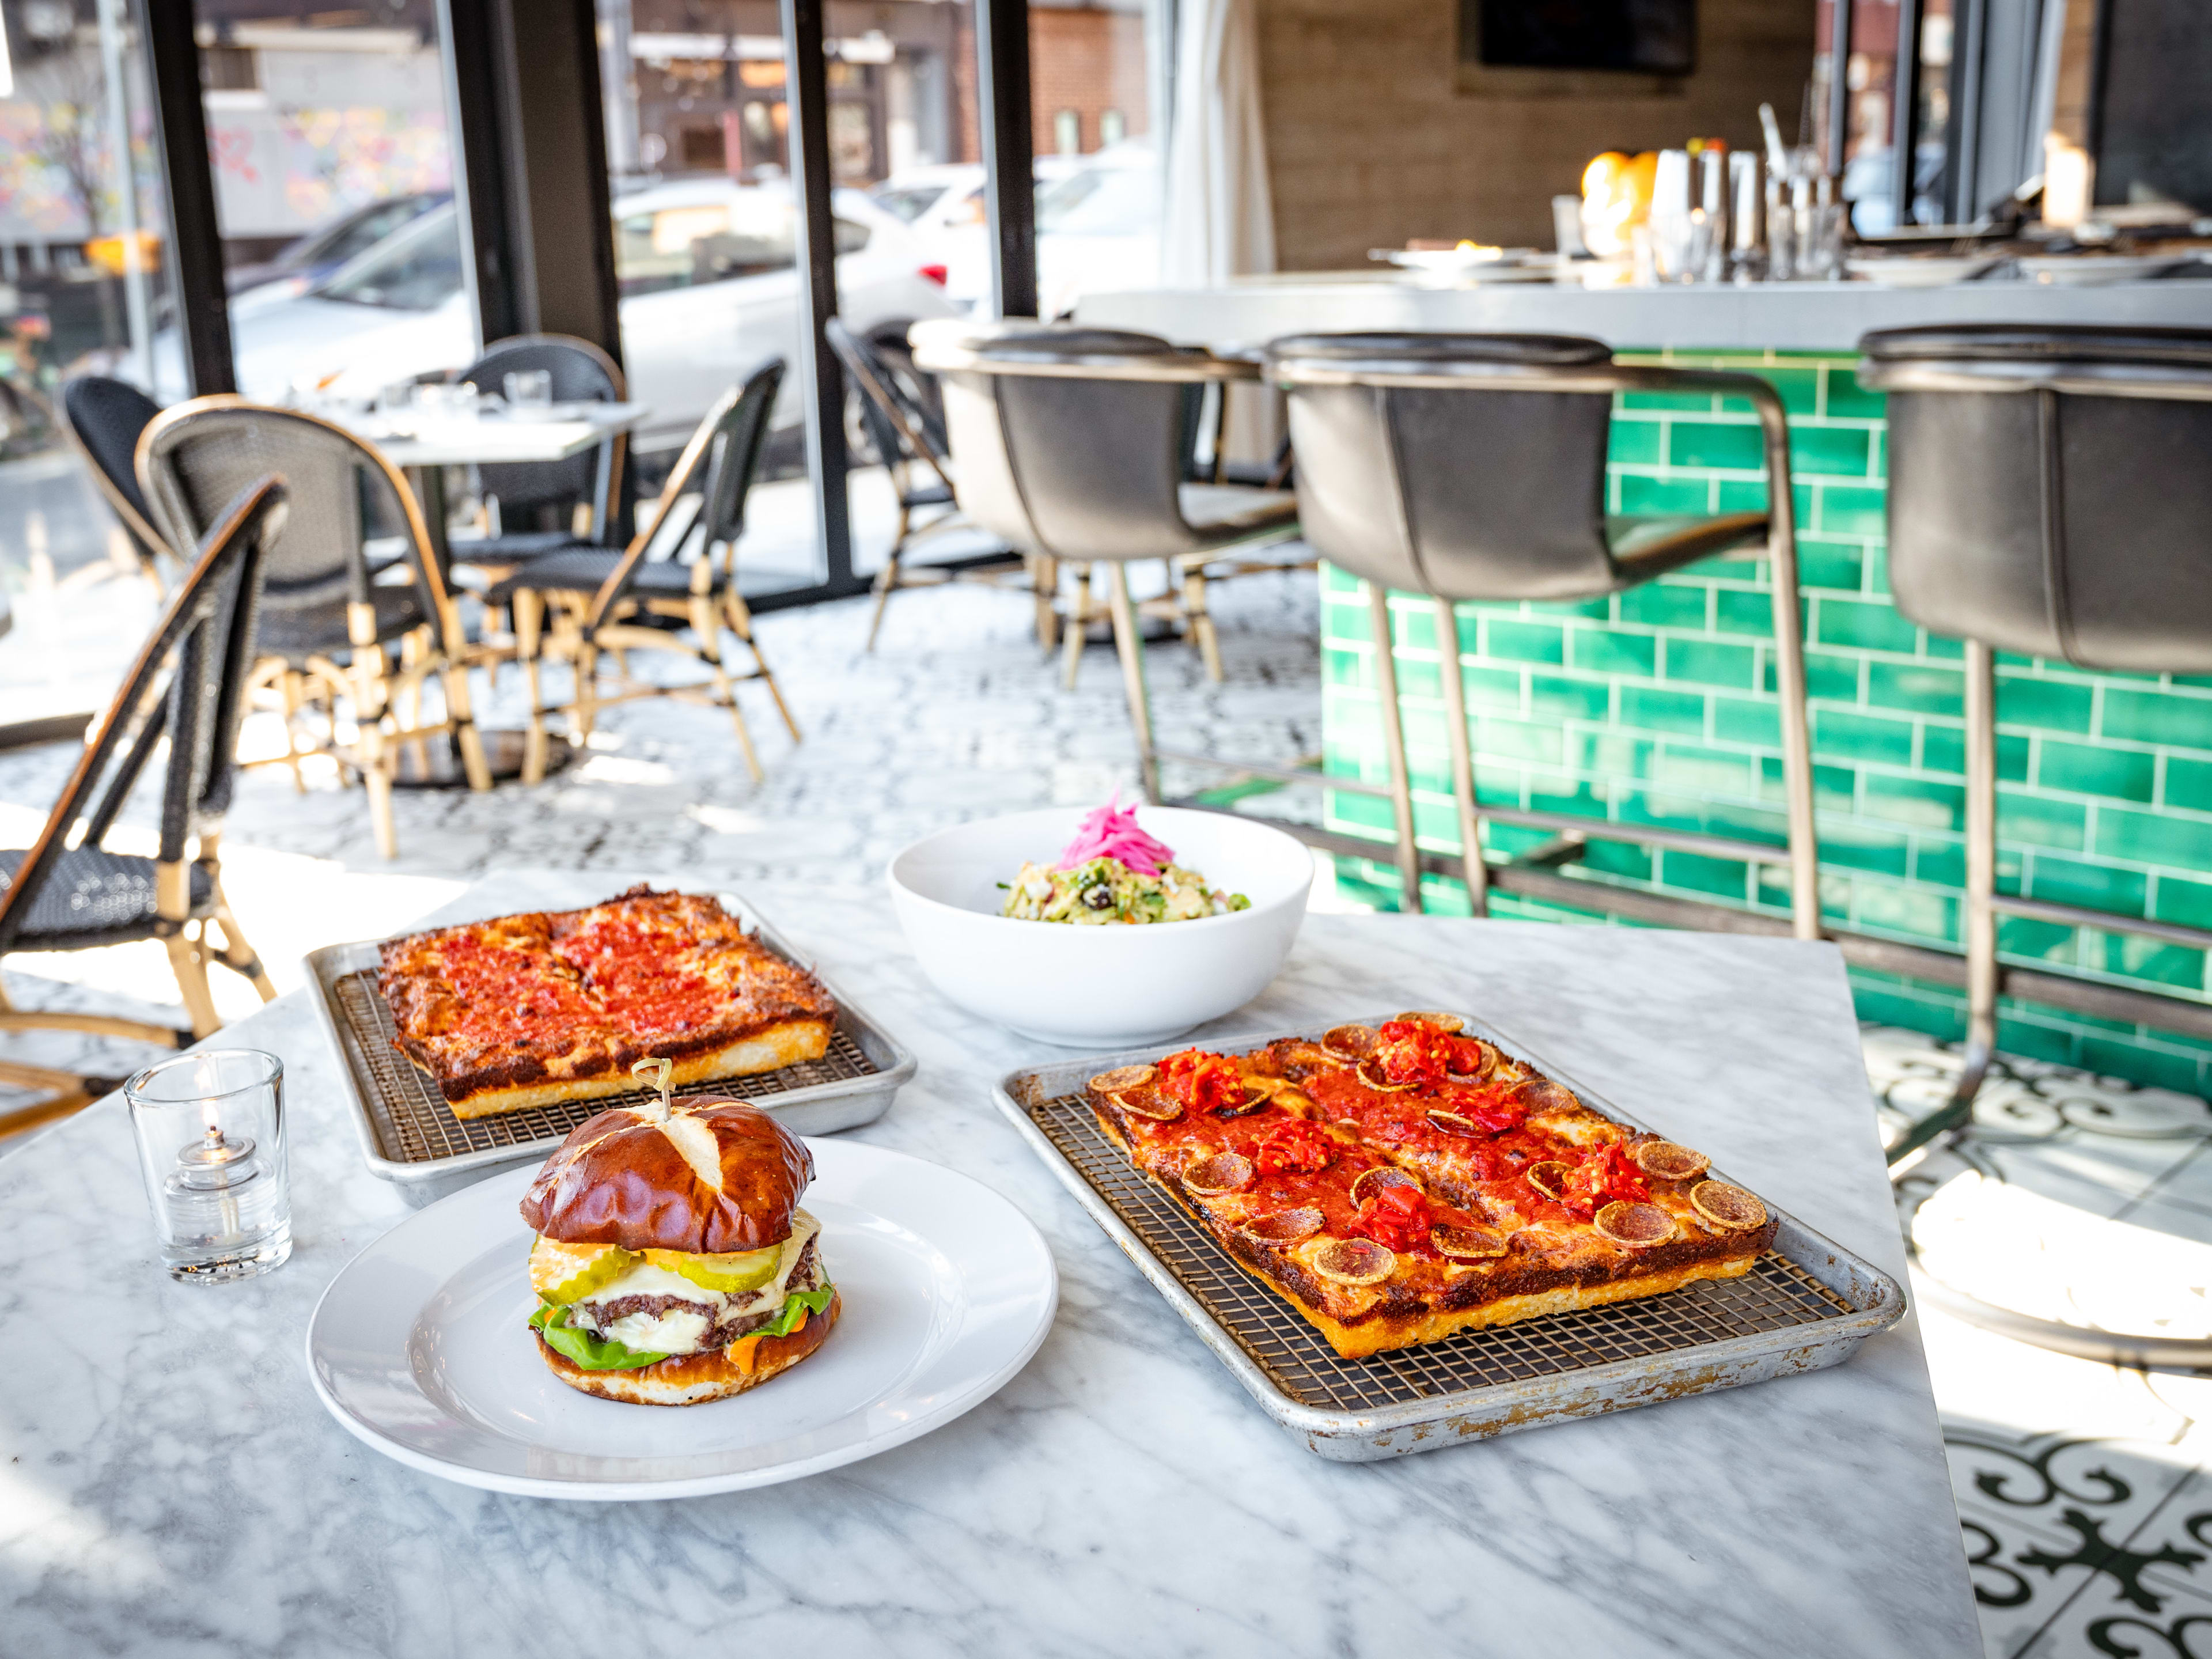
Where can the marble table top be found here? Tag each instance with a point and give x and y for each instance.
(169, 1484)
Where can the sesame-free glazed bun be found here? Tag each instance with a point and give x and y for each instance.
(693, 1379)
(715, 1176)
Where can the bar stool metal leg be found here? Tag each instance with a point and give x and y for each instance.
(1130, 645)
(1473, 871)
(1790, 669)
(1394, 746)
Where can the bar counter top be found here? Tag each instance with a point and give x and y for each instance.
(170, 1485)
(1760, 316)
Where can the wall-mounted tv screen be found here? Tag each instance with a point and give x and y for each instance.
(1648, 37)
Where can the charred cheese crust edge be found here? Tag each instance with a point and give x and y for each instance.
(1377, 1330)
(766, 1051)
(692, 1379)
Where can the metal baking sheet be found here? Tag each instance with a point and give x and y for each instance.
(1806, 1304)
(410, 1137)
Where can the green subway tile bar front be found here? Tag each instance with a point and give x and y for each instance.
(1656, 707)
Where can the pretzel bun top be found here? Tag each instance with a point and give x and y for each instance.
(713, 1176)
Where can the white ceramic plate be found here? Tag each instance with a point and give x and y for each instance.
(1921, 270)
(420, 1348)
(2097, 270)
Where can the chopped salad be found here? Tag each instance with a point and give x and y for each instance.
(1113, 871)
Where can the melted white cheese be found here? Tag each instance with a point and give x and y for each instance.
(678, 1331)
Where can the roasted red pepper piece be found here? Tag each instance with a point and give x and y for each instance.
(1295, 1148)
(1606, 1176)
(1201, 1081)
(1412, 1053)
(1397, 1216)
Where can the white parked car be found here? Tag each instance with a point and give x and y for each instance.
(709, 292)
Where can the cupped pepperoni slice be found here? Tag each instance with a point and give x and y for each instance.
(1122, 1078)
(1548, 1178)
(1370, 1183)
(1663, 1160)
(1354, 1261)
(1467, 1243)
(1258, 1091)
(1449, 1024)
(1728, 1207)
(1148, 1102)
(1472, 1061)
(1348, 1042)
(1540, 1094)
(1452, 1124)
(1223, 1172)
(1372, 1074)
(1285, 1226)
(1637, 1226)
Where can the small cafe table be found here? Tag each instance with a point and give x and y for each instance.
(168, 1483)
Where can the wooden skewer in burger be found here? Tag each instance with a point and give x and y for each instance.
(672, 1263)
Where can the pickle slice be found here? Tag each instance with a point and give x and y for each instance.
(739, 1270)
(562, 1273)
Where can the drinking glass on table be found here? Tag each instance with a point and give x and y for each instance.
(529, 388)
(211, 1147)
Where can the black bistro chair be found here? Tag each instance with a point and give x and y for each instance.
(678, 574)
(1471, 466)
(902, 410)
(532, 505)
(69, 892)
(104, 419)
(2051, 494)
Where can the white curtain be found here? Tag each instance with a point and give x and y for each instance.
(1219, 222)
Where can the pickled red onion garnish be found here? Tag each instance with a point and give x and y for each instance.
(1111, 832)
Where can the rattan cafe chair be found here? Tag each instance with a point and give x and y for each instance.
(580, 604)
(325, 616)
(67, 891)
(1471, 466)
(905, 423)
(104, 419)
(1070, 443)
(534, 507)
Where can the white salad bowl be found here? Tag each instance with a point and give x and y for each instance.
(1110, 987)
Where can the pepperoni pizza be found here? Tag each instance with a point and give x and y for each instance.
(1400, 1183)
(526, 1010)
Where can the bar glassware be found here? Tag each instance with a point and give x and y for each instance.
(529, 388)
(210, 1132)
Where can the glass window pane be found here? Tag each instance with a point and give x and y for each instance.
(84, 287)
(698, 143)
(1095, 78)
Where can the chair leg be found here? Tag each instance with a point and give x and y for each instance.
(529, 609)
(368, 710)
(587, 713)
(706, 623)
(1044, 589)
(1797, 734)
(188, 961)
(238, 956)
(292, 688)
(1078, 624)
(1199, 619)
(1473, 871)
(741, 624)
(1393, 743)
(886, 580)
(1129, 645)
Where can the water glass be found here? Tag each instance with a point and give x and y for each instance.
(529, 388)
(210, 1133)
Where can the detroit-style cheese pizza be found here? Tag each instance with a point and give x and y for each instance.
(531, 1010)
(1400, 1183)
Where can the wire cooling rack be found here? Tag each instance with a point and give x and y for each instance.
(414, 1125)
(1776, 1296)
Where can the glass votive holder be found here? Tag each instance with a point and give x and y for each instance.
(210, 1133)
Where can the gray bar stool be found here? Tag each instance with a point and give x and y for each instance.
(2050, 492)
(1070, 443)
(1471, 466)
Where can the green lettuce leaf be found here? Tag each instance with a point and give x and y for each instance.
(597, 1353)
(594, 1353)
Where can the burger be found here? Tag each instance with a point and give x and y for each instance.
(672, 1262)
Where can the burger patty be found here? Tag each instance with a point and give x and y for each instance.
(599, 1316)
